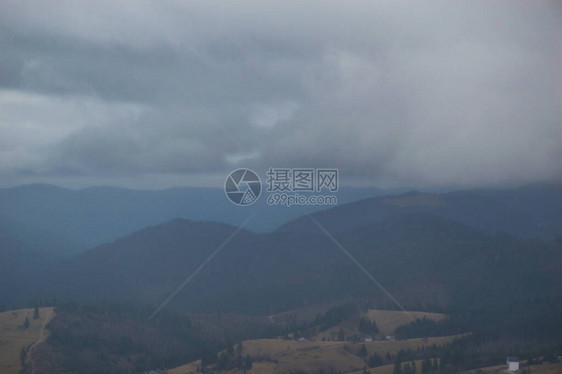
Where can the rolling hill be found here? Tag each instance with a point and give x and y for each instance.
(25, 254)
(93, 216)
(14, 337)
(526, 212)
(504, 289)
(422, 260)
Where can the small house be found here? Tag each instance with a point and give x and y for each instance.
(512, 363)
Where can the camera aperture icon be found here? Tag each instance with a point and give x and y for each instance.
(242, 186)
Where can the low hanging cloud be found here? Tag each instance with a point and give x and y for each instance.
(390, 93)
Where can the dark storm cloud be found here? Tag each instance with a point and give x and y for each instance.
(82, 92)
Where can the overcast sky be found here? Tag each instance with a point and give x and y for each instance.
(154, 94)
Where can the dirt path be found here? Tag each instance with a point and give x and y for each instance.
(42, 338)
(32, 348)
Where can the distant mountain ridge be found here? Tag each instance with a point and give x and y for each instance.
(25, 253)
(297, 262)
(526, 212)
(97, 215)
(421, 259)
(82, 219)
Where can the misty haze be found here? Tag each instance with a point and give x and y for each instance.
(315, 187)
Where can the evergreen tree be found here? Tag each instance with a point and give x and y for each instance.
(435, 366)
(367, 327)
(223, 361)
(248, 362)
(203, 365)
(23, 355)
(341, 335)
(239, 349)
(397, 367)
(362, 351)
(375, 360)
(426, 366)
(36, 312)
(407, 369)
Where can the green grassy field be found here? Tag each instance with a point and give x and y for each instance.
(258, 368)
(535, 369)
(186, 369)
(546, 369)
(388, 369)
(387, 321)
(393, 346)
(276, 356)
(13, 337)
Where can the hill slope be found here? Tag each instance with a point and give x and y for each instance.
(422, 260)
(97, 215)
(527, 212)
(23, 257)
(13, 337)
